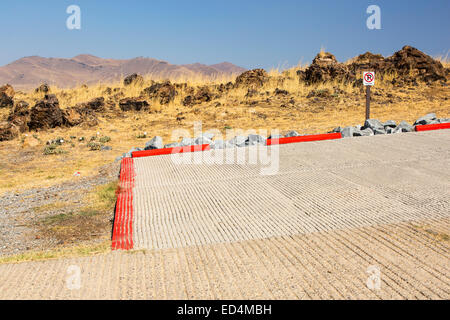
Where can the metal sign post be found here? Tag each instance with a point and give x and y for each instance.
(368, 80)
(367, 102)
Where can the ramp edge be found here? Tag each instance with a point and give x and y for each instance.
(122, 237)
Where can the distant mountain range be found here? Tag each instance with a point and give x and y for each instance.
(31, 71)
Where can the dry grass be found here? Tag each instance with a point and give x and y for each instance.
(67, 252)
(93, 221)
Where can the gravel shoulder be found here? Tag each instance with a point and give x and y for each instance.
(24, 214)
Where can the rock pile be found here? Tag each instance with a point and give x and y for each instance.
(410, 65)
(165, 92)
(6, 96)
(374, 127)
(371, 127)
(324, 68)
(133, 79)
(255, 78)
(46, 114)
(134, 104)
(20, 116)
(202, 94)
(43, 88)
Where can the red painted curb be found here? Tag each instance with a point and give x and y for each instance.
(313, 137)
(436, 126)
(122, 237)
(158, 152)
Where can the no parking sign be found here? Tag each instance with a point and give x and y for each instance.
(369, 78)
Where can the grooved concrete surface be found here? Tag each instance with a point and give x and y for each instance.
(310, 231)
(319, 186)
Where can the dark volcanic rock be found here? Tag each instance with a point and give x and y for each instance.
(8, 131)
(20, 116)
(133, 79)
(368, 62)
(412, 63)
(252, 79)
(203, 94)
(46, 114)
(165, 92)
(281, 92)
(324, 68)
(79, 114)
(96, 104)
(5, 100)
(43, 88)
(8, 89)
(134, 104)
(6, 96)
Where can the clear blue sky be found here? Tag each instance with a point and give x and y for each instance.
(249, 33)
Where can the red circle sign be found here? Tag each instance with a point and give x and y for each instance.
(368, 77)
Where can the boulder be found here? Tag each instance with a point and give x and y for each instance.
(20, 116)
(324, 68)
(202, 140)
(134, 78)
(292, 133)
(43, 88)
(410, 63)
(336, 130)
(363, 132)
(377, 131)
(254, 139)
(155, 143)
(427, 119)
(96, 104)
(238, 141)
(280, 92)
(390, 124)
(275, 136)
(219, 144)
(129, 153)
(403, 127)
(134, 104)
(367, 62)
(347, 132)
(255, 78)
(46, 114)
(444, 120)
(6, 101)
(186, 142)
(79, 114)
(8, 131)
(172, 145)
(375, 125)
(165, 92)
(8, 90)
(203, 94)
